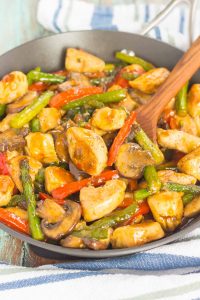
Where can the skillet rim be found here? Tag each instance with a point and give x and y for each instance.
(193, 223)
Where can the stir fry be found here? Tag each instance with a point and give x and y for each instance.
(77, 169)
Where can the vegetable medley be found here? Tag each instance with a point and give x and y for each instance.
(76, 167)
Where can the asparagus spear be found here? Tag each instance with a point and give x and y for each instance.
(2, 110)
(134, 60)
(35, 125)
(108, 97)
(152, 179)
(181, 101)
(35, 76)
(177, 187)
(33, 219)
(27, 114)
(144, 141)
(142, 194)
(187, 198)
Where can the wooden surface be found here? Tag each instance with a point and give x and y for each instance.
(18, 24)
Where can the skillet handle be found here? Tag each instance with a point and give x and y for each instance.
(165, 12)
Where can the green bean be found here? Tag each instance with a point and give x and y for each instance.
(33, 219)
(187, 198)
(27, 114)
(181, 101)
(36, 75)
(177, 187)
(145, 142)
(2, 110)
(16, 200)
(129, 76)
(142, 194)
(152, 179)
(134, 60)
(108, 97)
(116, 217)
(35, 125)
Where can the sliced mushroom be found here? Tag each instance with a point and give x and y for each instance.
(136, 235)
(98, 202)
(167, 209)
(21, 103)
(65, 225)
(131, 160)
(10, 140)
(61, 147)
(50, 211)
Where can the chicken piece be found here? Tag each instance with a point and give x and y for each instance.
(192, 209)
(87, 150)
(197, 123)
(14, 169)
(108, 119)
(72, 241)
(13, 86)
(186, 124)
(19, 212)
(190, 163)
(41, 147)
(177, 140)
(136, 234)
(127, 103)
(49, 118)
(150, 81)
(6, 189)
(100, 201)
(81, 61)
(56, 177)
(193, 103)
(167, 209)
(5, 123)
(172, 176)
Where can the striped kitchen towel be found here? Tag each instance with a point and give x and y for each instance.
(125, 15)
(169, 272)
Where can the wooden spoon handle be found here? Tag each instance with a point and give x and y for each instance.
(182, 72)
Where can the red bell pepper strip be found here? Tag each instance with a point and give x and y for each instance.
(126, 202)
(74, 93)
(119, 80)
(73, 187)
(120, 138)
(38, 86)
(15, 222)
(3, 166)
(44, 196)
(143, 210)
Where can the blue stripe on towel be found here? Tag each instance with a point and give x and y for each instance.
(102, 18)
(158, 33)
(147, 13)
(182, 20)
(17, 284)
(56, 15)
(140, 261)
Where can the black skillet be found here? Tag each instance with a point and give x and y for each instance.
(49, 53)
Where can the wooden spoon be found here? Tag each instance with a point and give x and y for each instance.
(147, 115)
